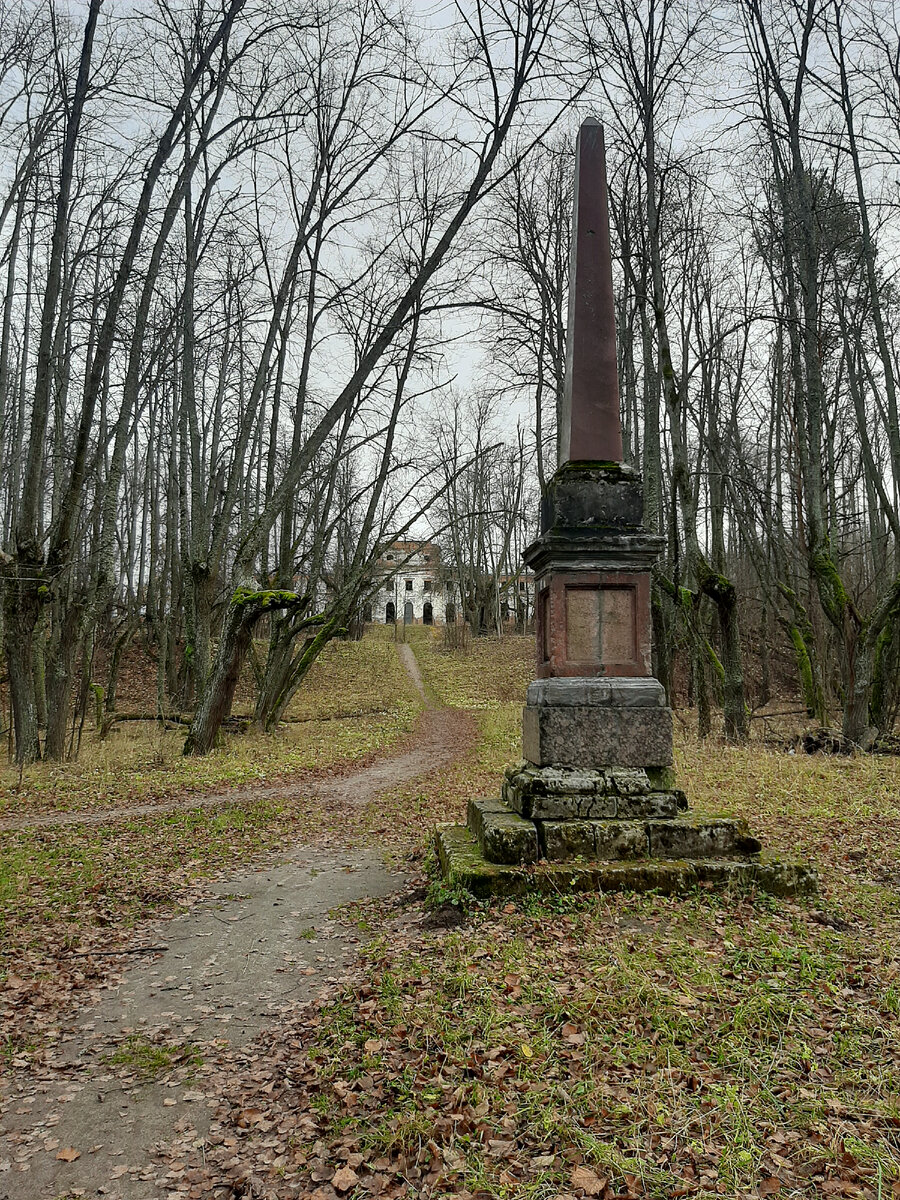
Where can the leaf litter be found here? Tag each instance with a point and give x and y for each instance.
(613, 1046)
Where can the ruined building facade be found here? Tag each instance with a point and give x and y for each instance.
(414, 587)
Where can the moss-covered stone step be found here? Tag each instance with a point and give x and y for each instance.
(464, 865)
(558, 793)
(502, 835)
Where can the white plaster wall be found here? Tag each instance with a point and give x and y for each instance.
(417, 571)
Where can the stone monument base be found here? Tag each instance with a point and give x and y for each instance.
(563, 829)
(594, 806)
(465, 865)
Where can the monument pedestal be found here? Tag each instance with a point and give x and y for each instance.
(594, 803)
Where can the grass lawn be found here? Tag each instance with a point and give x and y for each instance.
(701, 1045)
(357, 700)
(634, 1045)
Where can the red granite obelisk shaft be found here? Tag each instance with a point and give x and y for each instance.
(591, 427)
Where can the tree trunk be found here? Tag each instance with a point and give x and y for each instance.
(857, 675)
(701, 692)
(22, 609)
(60, 669)
(244, 610)
(300, 668)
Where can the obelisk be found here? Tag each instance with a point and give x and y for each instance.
(590, 426)
(593, 558)
(593, 804)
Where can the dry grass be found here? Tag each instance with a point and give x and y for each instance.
(705, 1045)
(356, 701)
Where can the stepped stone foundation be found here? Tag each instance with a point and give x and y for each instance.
(574, 828)
(594, 804)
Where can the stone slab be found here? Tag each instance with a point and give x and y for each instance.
(465, 866)
(554, 793)
(767, 873)
(582, 736)
(562, 840)
(579, 691)
(581, 793)
(586, 807)
(694, 838)
(607, 840)
(620, 839)
(660, 806)
(588, 549)
(502, 835)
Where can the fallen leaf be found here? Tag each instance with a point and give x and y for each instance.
(68, 1154)
(344, 1179)
(590, 1184)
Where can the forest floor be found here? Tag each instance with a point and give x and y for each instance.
(604, 1046)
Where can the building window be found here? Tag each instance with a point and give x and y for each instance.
(409, 585)
(427, 585)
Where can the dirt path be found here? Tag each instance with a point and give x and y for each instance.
(213, 980)
(412, 669)
(440, 736)
(262, 947)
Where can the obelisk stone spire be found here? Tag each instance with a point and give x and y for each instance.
(591, 428)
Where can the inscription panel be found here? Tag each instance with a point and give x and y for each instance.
(582, 624)
(617, 625)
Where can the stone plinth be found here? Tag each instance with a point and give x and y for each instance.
(597, 723)
(465, 866)
(561, 793)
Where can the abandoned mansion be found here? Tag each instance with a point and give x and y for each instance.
(417, 588)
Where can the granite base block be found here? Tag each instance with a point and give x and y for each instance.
(612, 840)
(503, 836)
(693, 838)
(658, 805)
(561, 840)
(597, 691)
(581, 793)
(597, 737)
(555, 793)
